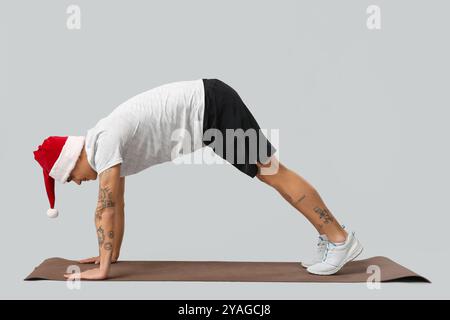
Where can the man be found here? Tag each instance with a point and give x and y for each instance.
(140, 133)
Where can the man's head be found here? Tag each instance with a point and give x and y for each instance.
(62, 158)
(82, 170)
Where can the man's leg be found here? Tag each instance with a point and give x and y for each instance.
(303, 197)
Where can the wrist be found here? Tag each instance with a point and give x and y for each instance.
(105, 262)
(104, 269)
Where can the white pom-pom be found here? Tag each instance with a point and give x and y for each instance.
(52, 213)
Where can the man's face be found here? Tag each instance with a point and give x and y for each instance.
(76, 177)
(82, 171)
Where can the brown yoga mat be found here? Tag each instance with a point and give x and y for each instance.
(355, 271)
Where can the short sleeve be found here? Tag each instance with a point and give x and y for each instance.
(108, 152)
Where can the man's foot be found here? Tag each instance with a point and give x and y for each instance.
(320, 251)
(337, 255)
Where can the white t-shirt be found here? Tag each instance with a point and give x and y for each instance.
(150, 128)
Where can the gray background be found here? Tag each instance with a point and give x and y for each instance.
(363, 116)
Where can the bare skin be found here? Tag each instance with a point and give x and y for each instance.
(82, 170)
(109, 213)
(303, 197)
(109, 216)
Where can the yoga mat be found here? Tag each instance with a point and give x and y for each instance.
(355, 271)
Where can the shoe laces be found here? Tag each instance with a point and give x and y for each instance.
(330, 247)
(321, 247)
(321, 243)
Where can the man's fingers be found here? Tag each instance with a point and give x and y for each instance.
(88, 260)
(85, 261)
(72, 276)
(92, 274)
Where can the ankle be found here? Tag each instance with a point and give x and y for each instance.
(337, 237)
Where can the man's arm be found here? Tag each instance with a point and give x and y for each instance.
(119, 221)
(105, 215)
(108, 200)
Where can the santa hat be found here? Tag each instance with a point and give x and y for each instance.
(57, 157)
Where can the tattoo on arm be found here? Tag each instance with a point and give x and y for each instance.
(104, 201)
(100, 235)
(324, 215)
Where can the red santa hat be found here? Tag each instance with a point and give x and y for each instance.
(57, 157)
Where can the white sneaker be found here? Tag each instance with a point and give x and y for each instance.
(320, 251)
(336, 256)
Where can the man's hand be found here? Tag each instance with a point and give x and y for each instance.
(96, 260)
(91, 274)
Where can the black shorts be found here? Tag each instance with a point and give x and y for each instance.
(224, 109)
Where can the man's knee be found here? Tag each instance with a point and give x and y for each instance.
(270, 179)
(265, 178)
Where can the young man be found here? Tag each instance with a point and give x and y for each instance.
(140, 133)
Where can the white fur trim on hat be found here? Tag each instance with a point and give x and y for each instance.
(67, 158)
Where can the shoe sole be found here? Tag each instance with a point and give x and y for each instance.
(353, 256)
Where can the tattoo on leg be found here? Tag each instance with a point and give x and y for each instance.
(289, 198)
(100, 235)
(104, 201)
(324, 215)
(108, 246)
(111, 234)
(299, 200)
(286, 196)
